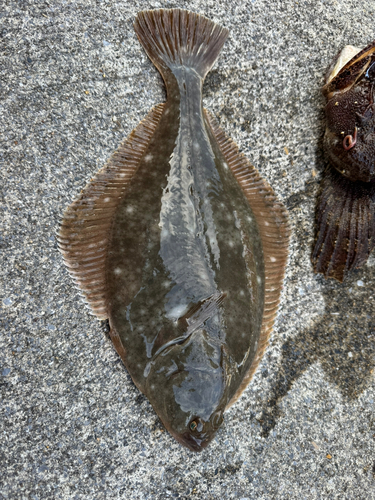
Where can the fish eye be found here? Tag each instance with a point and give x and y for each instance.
(196, 425)
(193, 425)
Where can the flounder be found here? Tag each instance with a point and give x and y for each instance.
(180, 243)
(346, 208)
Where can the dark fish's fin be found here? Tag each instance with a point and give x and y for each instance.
(346, 225)
(86, 223)
(272, 219)
(193, 319)
(352, 71)
(201, 312)
(174, 37)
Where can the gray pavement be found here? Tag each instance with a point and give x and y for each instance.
(74, 81)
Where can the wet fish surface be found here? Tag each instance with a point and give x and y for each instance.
(346, 208)
(180, 243)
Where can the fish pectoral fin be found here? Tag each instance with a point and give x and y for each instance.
(272, 218)
(86, 224)
(198, 313)
(346, 229)
(194, 317)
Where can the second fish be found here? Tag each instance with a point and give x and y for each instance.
(180, 243)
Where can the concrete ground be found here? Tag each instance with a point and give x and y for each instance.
(74, 81)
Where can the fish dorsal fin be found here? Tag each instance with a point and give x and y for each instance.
(86, 224)
(350, 72)
(272, 219)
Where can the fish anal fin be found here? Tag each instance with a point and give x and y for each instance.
(86, 224)
(272, 219)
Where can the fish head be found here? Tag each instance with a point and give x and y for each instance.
(188, 386)
(350, 112)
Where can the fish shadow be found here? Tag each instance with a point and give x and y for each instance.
(342, 340)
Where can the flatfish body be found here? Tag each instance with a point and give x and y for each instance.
(180, 243)
(346, 207)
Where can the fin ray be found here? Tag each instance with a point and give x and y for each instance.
(200, 312)
(346, 222)
(178, 37)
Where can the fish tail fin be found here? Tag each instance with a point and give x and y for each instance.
(346, 225)
(175, 37)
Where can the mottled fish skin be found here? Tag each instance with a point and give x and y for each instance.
(345, 211)
(180, 243)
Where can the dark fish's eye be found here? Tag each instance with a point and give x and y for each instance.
(193, 425)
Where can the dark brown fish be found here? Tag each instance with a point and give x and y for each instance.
(346, 208)
(180, 243)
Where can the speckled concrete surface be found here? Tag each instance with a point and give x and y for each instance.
(74, 81)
